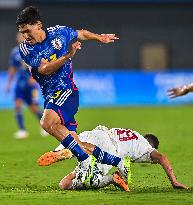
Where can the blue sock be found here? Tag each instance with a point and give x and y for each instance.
(38, 114)
(19, 119)
(105, 158)
(70, 143)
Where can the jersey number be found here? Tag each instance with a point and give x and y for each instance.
(52, 58)
(126, 135)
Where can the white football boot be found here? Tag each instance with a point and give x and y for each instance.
(21, 134)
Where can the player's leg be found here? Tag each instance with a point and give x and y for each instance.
(100, 181)
(21, 133)
(71, 182)
(19, 114)
(32, 100)
(35, 109)
(51, 157)
(60, 153)
(52, 124)
(71, 125)
(103, 157)
(58, 111)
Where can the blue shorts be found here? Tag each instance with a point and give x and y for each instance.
(29, 94)
(65, 103)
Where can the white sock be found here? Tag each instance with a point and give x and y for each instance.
(59, 147)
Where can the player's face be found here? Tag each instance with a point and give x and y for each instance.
(31, 33)
(19, 38)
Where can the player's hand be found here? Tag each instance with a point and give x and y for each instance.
(176, 92)
(107, 38)
(177, 185)
(75, 47)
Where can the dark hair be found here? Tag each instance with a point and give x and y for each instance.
(29, 15)
(153, 140)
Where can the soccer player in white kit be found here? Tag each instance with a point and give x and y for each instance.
(120, 142)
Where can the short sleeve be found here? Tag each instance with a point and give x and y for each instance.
(68, 32)
(145, 157)
(141, 149)
(31, 58)
(144, 150)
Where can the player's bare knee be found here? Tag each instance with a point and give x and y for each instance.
(46, 124)
(53, 124)
(43, 124)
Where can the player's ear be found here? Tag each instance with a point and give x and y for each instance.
(39, 23)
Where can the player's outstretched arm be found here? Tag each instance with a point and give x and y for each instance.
(85, 35)
(47, 68)
(158, 158)
(180, 91)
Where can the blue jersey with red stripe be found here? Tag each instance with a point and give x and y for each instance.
(54, 46)
(23, 73)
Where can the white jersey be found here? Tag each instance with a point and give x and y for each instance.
(120, 142)
(131, 143)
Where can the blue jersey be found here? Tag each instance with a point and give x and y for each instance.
(54, 46)
(16, 61)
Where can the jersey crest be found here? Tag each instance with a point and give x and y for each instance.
(56, 43)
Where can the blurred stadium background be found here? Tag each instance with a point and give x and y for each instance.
(154, 51)
(119, 84)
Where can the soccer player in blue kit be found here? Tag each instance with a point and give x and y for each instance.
(26, 90)
(46, 54)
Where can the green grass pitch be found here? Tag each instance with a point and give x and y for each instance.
(23, 182)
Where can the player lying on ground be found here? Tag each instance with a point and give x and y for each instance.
(99, 179)
(117, 141)
(45, 51)
(180, 91)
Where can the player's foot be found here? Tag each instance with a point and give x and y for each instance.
(125, 169)
(43, 133)
(118, 181)
(51, 157)
(87, 166)
(21, 134)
